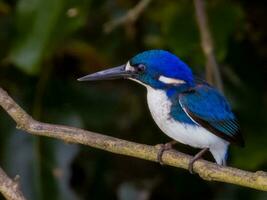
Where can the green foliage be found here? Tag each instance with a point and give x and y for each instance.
(36, 21)
(226, 18)
(40, 25)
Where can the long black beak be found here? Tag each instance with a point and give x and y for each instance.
(113, 73)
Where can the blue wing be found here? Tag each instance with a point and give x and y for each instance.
(207, 107)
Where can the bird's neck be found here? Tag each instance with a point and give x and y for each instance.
(170, 90)
(165, 104)
(177, 89)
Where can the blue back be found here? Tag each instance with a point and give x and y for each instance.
(207, 103)
(208, 108)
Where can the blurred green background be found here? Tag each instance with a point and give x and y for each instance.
(45, 45)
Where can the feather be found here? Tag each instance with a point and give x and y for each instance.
(209, 109)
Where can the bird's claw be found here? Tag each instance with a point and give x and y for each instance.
(191, 166)
(162, 148)
(195, 158)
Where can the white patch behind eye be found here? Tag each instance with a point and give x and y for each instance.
(128, 67)
(168, 80)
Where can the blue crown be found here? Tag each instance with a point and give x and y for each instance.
(164, 63)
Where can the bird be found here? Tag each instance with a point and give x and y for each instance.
(185, 107)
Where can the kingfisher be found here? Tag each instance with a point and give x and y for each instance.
(185, 107)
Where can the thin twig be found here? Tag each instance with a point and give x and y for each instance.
(130, 17)
(10, 188)
(207, 170)
(213, 75)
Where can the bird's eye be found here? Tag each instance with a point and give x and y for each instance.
(141, 68)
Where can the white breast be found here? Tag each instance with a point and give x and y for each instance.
(195, 136)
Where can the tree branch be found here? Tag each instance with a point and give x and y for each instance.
(10, 188)
(130, 17)
(207, 170)
(213, 75)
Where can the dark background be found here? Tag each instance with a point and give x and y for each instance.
(45, 45)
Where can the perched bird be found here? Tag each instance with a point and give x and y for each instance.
(185, 108)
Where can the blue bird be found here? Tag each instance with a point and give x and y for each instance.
(184, 107)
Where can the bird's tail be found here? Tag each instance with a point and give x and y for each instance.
(220, 154)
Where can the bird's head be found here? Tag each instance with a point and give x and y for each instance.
(155, 68)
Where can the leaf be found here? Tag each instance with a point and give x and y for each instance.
(41, 26)
(36, 20)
